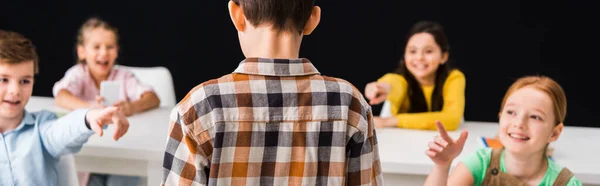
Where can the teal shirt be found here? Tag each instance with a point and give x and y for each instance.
(30, 152)
(479, 161)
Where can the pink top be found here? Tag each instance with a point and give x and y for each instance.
(78, 81)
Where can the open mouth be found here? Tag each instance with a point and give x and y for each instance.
(103, 63)
(518, 136)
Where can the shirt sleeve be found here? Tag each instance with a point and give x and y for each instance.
(65, 135)
(70, 82)
(451, 114)
(398, 89)
(362, 156)
(477, 163)
(135, 88)
(185, 162)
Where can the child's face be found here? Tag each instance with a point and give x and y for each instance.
(99, 50)
(527, 122)
(16, 85)
(423, 56)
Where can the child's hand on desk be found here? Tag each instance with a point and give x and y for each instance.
(99, 117)
(126, 106)
(443, 149)
(382, 122)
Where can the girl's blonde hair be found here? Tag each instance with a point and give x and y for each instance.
(548, 86)
(90, 24)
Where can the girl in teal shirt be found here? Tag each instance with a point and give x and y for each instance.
(531, 117)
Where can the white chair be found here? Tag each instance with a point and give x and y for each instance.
(67, 172)
(160, 79)
(385, 110)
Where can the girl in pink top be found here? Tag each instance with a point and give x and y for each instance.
(97, 51)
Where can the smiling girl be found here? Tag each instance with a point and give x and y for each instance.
(531, 117)
(424, 88)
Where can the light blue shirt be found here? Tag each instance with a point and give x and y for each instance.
(30, 152)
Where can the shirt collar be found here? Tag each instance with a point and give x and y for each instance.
(86, 69)
(28, 118)
(276, 67)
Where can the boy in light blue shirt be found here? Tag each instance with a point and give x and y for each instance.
(31, 143)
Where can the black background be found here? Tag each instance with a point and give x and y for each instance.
(492, 42)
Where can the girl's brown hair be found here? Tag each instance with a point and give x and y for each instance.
(416, 97)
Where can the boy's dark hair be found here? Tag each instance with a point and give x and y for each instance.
(285, 15)
(16, 48)
(415, 93)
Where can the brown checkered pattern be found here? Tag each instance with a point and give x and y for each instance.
(272, 122)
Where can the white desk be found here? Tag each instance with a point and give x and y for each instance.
(402, 151)
(139, 152)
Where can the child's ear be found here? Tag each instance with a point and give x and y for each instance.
(313, 21)
(80, 52)
(445, 56)
(237, 16)
(556, 132)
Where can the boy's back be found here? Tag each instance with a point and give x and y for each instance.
(273, 123)
(275, 120)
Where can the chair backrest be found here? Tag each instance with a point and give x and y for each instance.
(385, 110)
(160, 79)
(67, 172)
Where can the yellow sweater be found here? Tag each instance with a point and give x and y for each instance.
(450, 115)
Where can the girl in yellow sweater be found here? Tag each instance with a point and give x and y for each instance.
(424, 88)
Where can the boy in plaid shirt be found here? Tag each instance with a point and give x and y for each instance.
(275, 120)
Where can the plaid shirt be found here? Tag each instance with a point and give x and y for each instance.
(272, 122)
